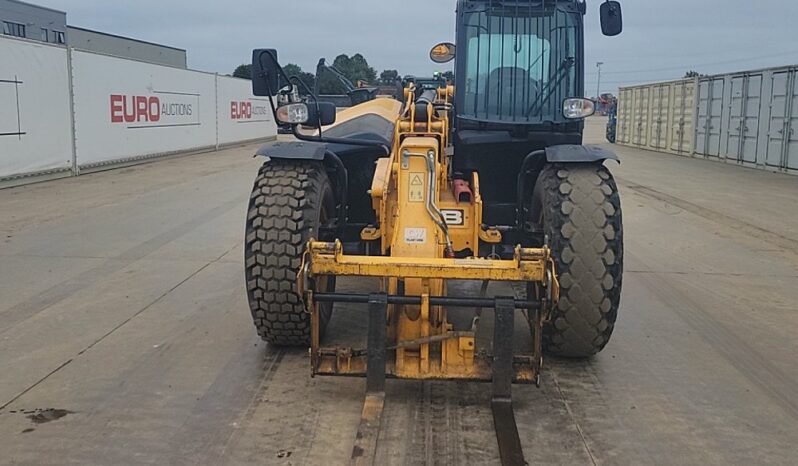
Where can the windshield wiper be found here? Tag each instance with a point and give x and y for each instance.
(546, 93)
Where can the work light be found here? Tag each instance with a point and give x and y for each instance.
(578, 108)
(293, 114)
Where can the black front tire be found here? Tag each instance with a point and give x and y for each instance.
(581, 215)
(290, 201)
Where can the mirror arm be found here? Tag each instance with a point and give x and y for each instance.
(280, 68)
(268, 87)
(291, 80)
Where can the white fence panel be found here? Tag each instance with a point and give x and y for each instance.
(35, 127)
(126, 109)
(241, 115)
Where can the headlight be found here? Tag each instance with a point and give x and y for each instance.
(578, 108)
(293, 114)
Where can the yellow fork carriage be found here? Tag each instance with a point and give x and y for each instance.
(409, 336)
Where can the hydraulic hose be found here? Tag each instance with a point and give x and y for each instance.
(434, 212)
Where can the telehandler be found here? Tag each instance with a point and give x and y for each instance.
(486, 180)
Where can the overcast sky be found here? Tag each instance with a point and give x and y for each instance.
(662, 38)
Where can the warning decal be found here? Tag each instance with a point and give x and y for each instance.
(415, 235)
(415, 193)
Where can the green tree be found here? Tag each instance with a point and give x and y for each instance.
(389, 77)
(330, 85)
(308, 79)
(243, 72)
(692, 74)
(355, 68)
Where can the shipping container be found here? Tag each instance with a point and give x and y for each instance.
(660, 110)
(782, 140)
(640, 111)
(682, 124)
(658, 116)
(748, 118)
(743, 116)
(710, 116)
(624, 129)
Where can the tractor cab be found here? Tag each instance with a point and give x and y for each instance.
(520, 91)
(521, 63)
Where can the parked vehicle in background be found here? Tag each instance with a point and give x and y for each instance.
(604, 102)
(612, 122)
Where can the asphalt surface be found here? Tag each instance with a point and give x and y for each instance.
(125, 336)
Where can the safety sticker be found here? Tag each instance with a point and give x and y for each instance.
(415, 193)
(415, 235)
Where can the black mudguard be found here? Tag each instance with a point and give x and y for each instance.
(572, 153)
(533, 164)
(297, 150)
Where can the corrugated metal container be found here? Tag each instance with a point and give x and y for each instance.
(782, 122)
(624, 128)
(748, 118)
(640, 110)
(743, 118)
(658, 116)
(682, 124)
(710, 116)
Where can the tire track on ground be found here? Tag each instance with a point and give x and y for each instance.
(113, 330)
(756, 368)
(733, 224)
(65, 289)
(203, 442)
(777, 385)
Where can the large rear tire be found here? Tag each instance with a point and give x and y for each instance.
(581, 215)
(291, 199)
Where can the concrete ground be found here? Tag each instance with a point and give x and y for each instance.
(125, 336)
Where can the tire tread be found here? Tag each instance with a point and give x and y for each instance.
(582, 216)
(282, 214)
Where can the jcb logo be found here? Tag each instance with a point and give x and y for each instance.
(454, 217)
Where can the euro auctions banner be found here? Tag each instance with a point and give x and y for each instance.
(126, 109)
(35, 132)
(162, 110)
(122, 109)
(242, 116)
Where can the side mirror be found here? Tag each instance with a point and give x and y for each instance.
(442, 53)
(265, 72)
(611, 18)
(326, 115)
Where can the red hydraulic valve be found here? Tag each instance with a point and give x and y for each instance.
(462, 191)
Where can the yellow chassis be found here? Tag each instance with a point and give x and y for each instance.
(422, 225)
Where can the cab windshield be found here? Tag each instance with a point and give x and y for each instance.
(521, 62)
